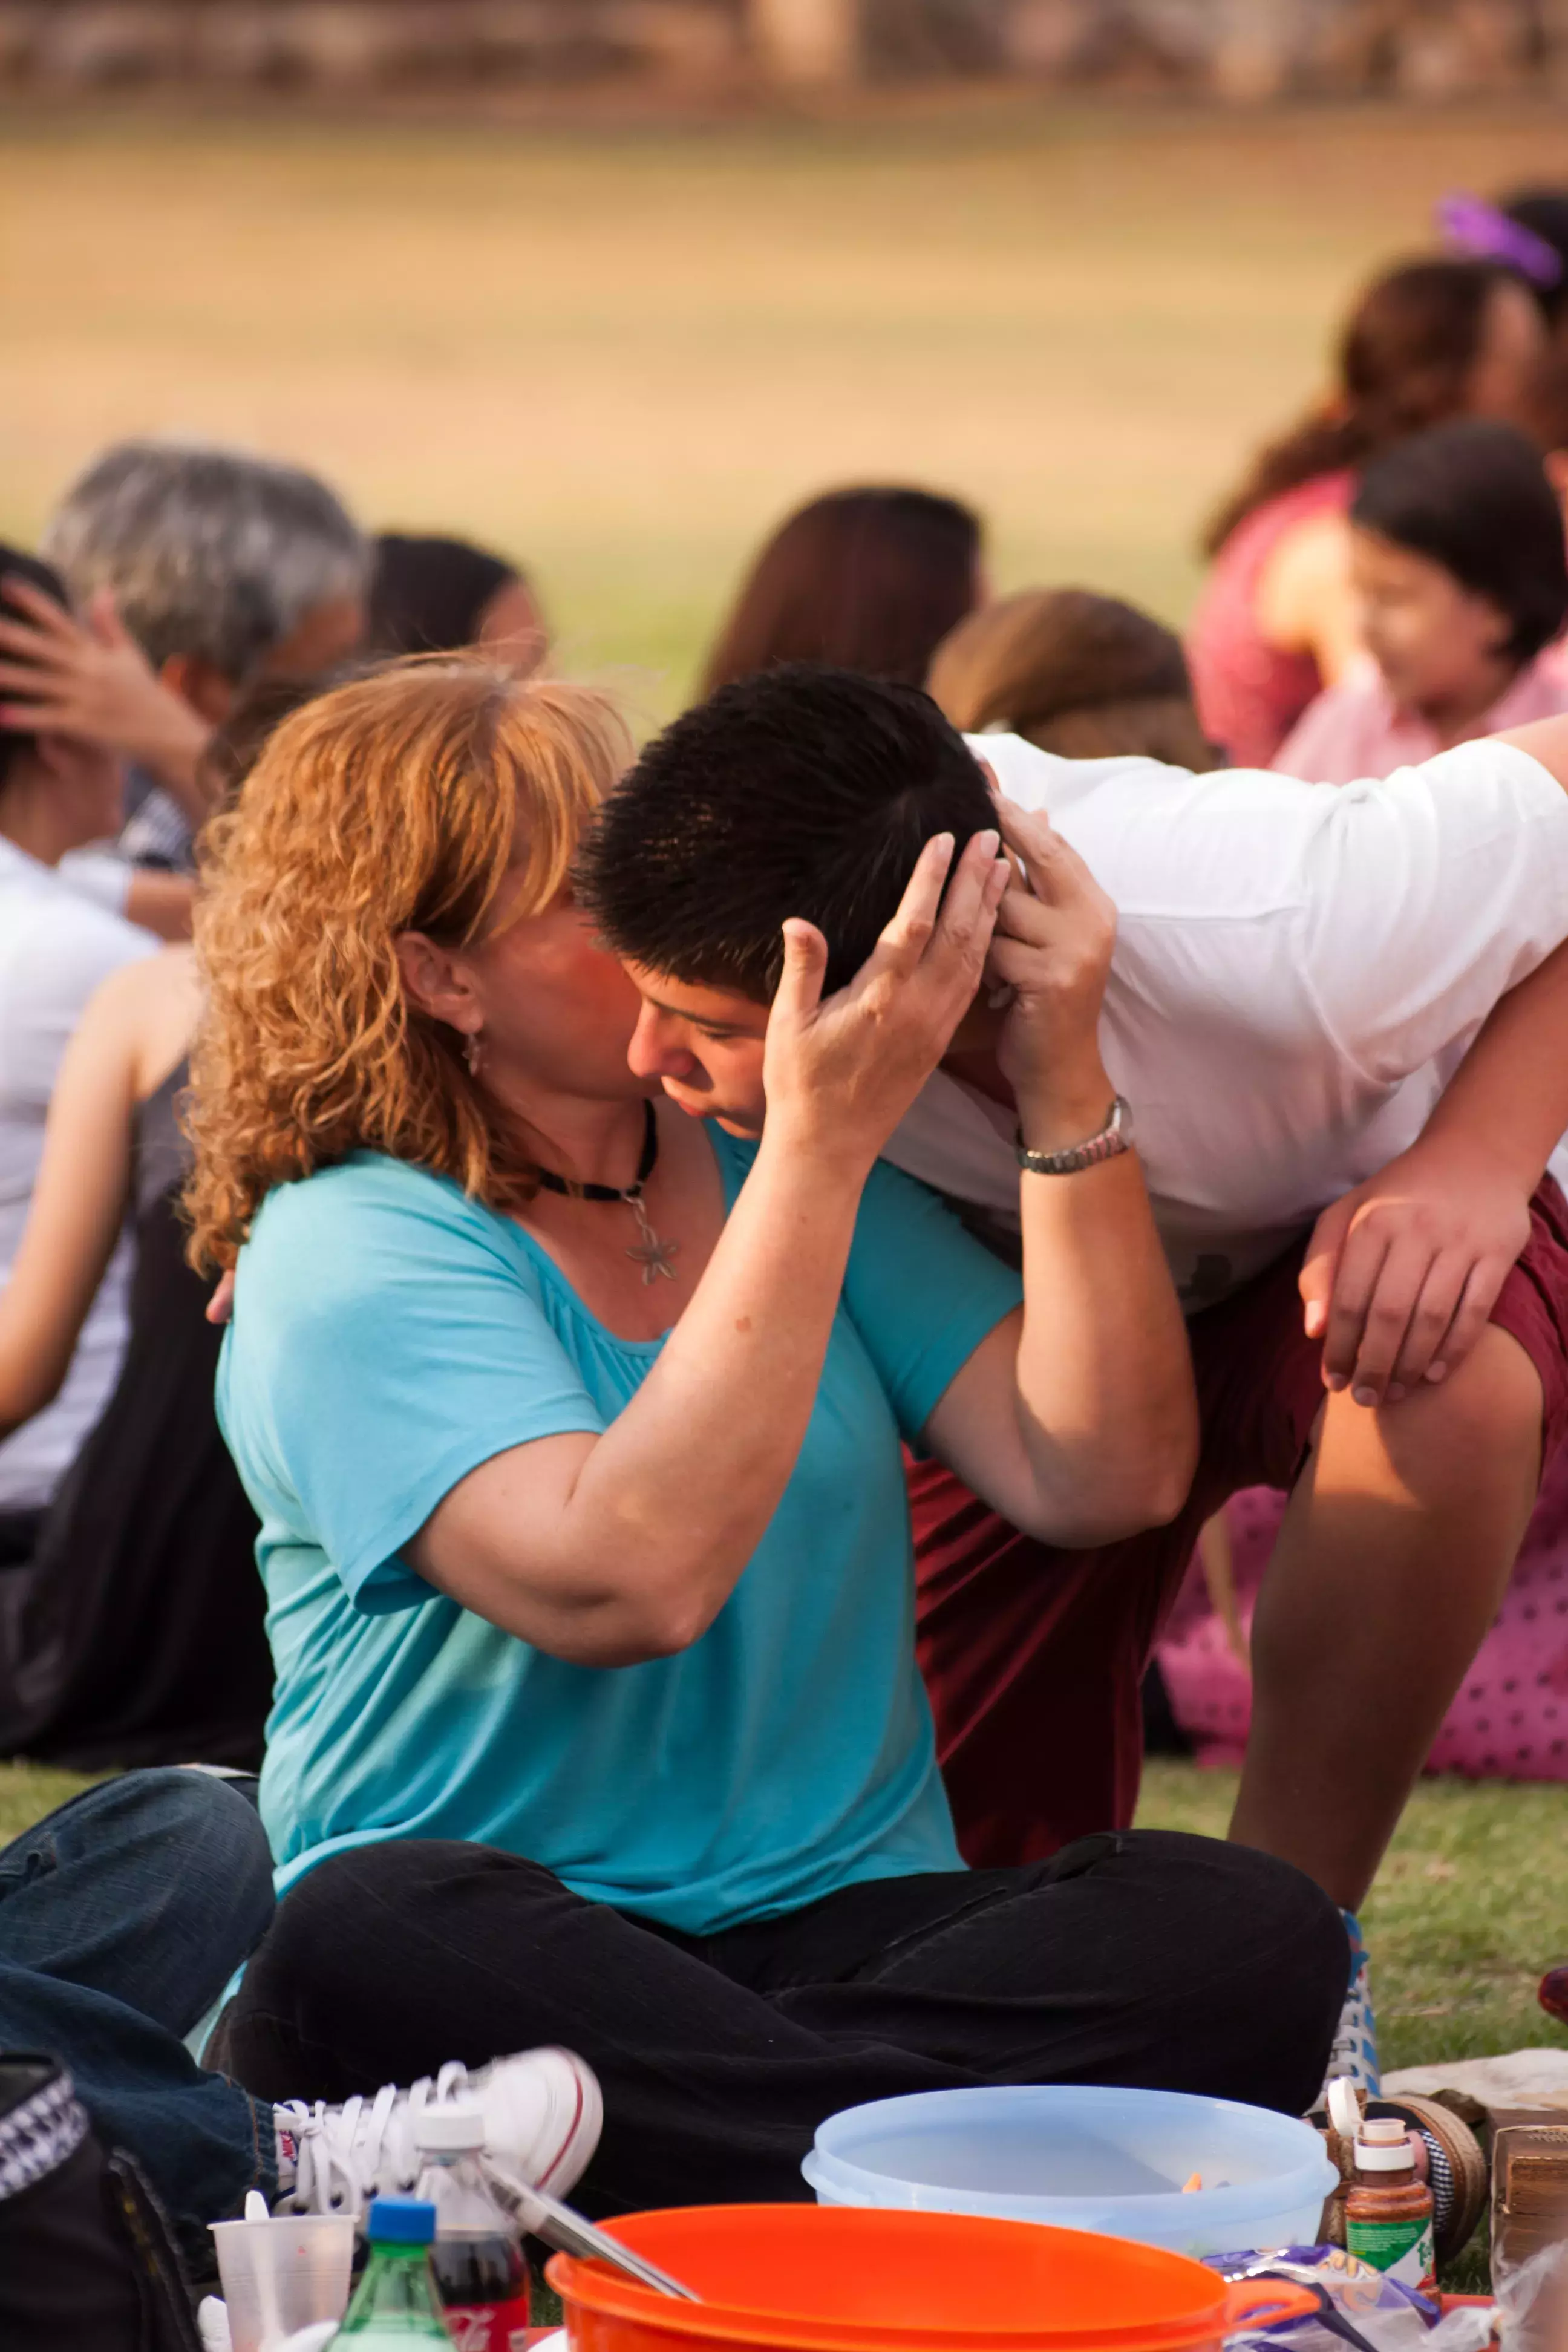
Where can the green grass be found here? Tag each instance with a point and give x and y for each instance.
(1469, 1907)
(28, 1791)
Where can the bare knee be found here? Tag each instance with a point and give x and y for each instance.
(1464, 1443)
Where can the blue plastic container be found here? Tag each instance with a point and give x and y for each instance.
(1084, 2158)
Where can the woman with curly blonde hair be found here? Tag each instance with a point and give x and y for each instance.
(573, 1425)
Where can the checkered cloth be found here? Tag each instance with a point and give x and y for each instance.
(157, 832)
(36, 2137)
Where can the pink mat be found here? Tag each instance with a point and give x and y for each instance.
(1508, 1722)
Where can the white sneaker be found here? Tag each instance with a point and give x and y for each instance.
(543, 2114)
(1353, 2057)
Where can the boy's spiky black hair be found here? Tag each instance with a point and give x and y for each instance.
(799, 792)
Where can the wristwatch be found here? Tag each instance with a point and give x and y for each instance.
(1114, 1138)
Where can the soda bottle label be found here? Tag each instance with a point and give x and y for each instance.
(488, 2327)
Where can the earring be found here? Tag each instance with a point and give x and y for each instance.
(472, 1049)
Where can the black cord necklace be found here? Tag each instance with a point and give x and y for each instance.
(648, 1252)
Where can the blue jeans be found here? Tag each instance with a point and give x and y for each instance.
(122, 1916)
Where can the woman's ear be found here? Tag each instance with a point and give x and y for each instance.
(436, 982)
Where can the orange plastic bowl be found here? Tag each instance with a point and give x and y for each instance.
(812, 2278)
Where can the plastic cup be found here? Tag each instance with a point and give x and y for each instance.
(283, 2274)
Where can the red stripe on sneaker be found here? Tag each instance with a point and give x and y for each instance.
(548, 2175)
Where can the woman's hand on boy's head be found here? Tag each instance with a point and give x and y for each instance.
(841, 1071)
(1055, 932)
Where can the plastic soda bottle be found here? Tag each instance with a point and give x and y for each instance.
(396, 2302)
(1388, 2212)
(481, 2274)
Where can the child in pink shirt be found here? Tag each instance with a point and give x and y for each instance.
(1459, 564)
(1459, 573)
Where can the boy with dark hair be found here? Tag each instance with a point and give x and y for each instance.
(1298, 974)
(825, 824)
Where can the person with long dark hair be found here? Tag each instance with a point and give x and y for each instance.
(1428, 341)
(867, 580)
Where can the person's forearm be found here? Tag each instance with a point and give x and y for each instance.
(175, 755)
(31, 1375)
(669, 1504)
(693, 1470)
(1107, 1408)
(164, 904)
(1507, 1100)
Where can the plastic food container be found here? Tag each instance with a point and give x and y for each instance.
(1084, 2158)
(796, 2278)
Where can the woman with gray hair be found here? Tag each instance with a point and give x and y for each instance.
(200, 567)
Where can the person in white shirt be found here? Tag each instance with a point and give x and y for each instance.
(1346, 1005)
(57, 793)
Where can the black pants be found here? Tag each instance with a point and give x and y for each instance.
(1144, 1958)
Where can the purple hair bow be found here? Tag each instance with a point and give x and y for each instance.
(1479, 229)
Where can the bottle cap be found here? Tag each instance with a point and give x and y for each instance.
(400, 2222)
(1382, 2144)
(456, 2124)
(1344, 2107)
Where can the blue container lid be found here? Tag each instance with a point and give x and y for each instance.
(400, 2222)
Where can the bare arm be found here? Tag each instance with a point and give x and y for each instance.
(612, 1548)
(79, 1200)
(1403, 1273)
(1077, 1420)
(161, 903)
(1304, 599)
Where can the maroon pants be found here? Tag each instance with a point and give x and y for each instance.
(1034, 1657)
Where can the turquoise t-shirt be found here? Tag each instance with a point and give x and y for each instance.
(389, 1334)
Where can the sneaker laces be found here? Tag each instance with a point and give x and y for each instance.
(345, 2154)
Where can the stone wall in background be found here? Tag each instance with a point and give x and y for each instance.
(1243, 50)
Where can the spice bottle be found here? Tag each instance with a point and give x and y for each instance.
(1388, 2212)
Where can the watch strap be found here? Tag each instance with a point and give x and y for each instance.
(1114, 1138)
